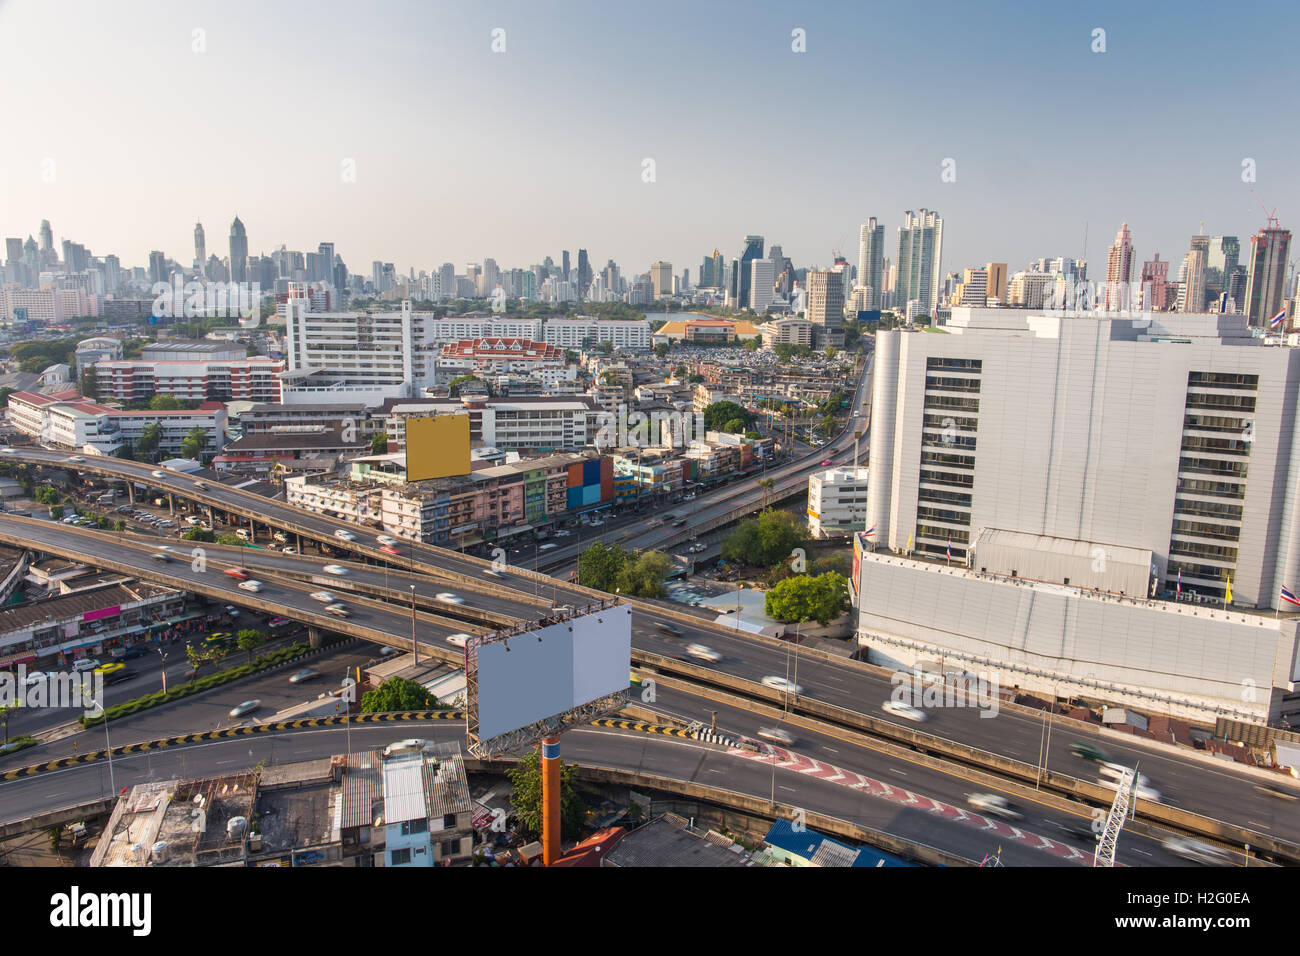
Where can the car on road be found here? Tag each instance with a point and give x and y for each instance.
(680, 523)
(697, 548)
(193, 522)
(1089, 752)
(338, 609)
(409, 746)
(343, 535)
(335, 569)
(162, 557)
(288, 550)
(250, 585)
(995, 804)
(547, 547)
(669, 628)
(827, 463)
(325, 597)
(1197, 851)
(458, 640)
(1144, 790)
(596, 522)
(906, 711)
(158, 474)
(780, 683)
(386, 539)
(388, 651)
(1115, 771)
(447, 597)
(85, 664)
(238, 574)
(777, 735)
(10, 451)
(563, 533)
(232, 610)
(1081, 831)
(247, 707)
(389, 549)
(278, 622)
(202, 486)
(304, 675)
(1277, 791)
(703, 652)
(494, 572)
(77, 458)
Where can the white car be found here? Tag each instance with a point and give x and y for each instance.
(85, 664)
(10, 451)
(1115, 771)
(1197, 852)
(335, 569)
(458, 640)
(386, 539)
(323, 596)
(563, 533)
(76, 458)
(345, 535)
(1144, 792)
(776, 735)
(446, 597)
(288, 550)
(780, 683)
(250, 585)
(992, 803)
(193, 522)
(247, 707)
(411, 745)
(703, 652)
(899, 709)
(158, 474)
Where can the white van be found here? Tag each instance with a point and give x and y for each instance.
(241, 533)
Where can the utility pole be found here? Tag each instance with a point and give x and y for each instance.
(415, 648)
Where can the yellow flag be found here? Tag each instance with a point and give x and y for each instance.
(908, 549)
(1227, 594)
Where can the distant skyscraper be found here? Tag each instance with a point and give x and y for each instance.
(661, 279)
(326, 252)
(920, 253)
(997, 282)
(1266, 277)
(1155, 281)
(238, 252)
(158, 267)
(47, 236)
(762, 277)
(1220, 261)
(584, 273)
(1119, 267)
(1191, 291)
(564, 264)
(826, 305)
(491, 277)
(871, 258)
(711, 271)
(200, 248)
(446, 281)
(740, 278)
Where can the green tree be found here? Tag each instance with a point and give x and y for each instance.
(661, 350)
(205, 535)
(736, 426)
(826, 425)
(767, 484)
(680, 372)
(766, 540)
(753, 345)
(830, 352)
(600, 565)
(194, 443)
(379, 444)
(805, 598)
(719, 414)
(455, 384)
(234, 540)
(4, 719)
(56, 512)
(198, 655)
(5, 392)
(165, 403)
(249, 640)
(526, 797)
(784, 351)
(838, 563)
(150, 437)
(397, 694)
(643, 576)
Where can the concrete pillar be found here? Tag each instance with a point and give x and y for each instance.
(313, 636)
(171, 504)
(130, 492)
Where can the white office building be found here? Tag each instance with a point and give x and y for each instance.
(837, 502)
(1163, 448)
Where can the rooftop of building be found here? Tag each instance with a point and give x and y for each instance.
(294, 441)
(78, 604)
(669, 841)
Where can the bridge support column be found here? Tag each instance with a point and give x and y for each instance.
(313, 637)
(550, 799)
(171, 504)
(130, 491)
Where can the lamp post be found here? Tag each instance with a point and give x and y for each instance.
(163, 654)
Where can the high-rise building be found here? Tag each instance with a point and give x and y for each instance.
(711, 271)
(761, 280)
(238, 252)
(661, 279)
(1155, 282)
(326, 252)
(997, 281)
(871, 257)
(200, 248)
(826, 306)
(920, 253)
(584, 273)
(1220, 261)
(491, 278)
(564, 264)
(972, 289)
(1266, 277)
(1191, 290)
(740, 278)
(1119, 269)
(158, 268)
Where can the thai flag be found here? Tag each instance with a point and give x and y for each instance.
(950, 549)
(1178, 588)
(1290, 598)
(871, 532)
(1276, 321)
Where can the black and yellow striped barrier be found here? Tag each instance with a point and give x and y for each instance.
(641, 726)
(150, 745)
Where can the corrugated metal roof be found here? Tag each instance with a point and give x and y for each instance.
(1065, 546)
(447, 787)
(404, 790)
(362, 787)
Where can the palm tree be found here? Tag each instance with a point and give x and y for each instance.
(766, 484)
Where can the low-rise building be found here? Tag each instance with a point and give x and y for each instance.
(837, 502)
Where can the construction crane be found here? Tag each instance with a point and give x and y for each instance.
(1124, 805)
(1270, 216)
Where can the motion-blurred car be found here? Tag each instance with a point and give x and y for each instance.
(1197, 852)
(703, 652)
(343, 535)
(323, 596)
(997, 805)
(780, 683)
(447, 597)
(247, 707)
(776, 735)
(1090, 752)
(458, 640)
(386, 539)
(250, 585)
(158, 474)
(900, 709)
(304, 675)
(409, 746)
(338, 609)
(336, 569)
(389, 549)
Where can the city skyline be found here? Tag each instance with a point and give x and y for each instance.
(466, 185)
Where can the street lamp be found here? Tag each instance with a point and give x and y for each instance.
(163, 654)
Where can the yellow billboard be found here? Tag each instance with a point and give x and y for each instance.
(437, 447)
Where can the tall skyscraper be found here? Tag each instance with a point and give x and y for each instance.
(871, 258)
(238, 252)
(1155, 281)
(711, 271)
(564, 264)
(1191, 291)
(920, 253)
(1266, 277)
(47, 237)
(997, 281)
(200, 248)
(761, 280)
(158, 267)
(584, 273)
(1220, 261)
(661, 278)
(1119, 268)
(326, 252)
(741, 276)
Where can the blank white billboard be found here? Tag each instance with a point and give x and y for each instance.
(542, 673)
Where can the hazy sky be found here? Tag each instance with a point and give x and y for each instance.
(462, 153)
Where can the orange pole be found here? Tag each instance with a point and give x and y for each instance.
(550, 799)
